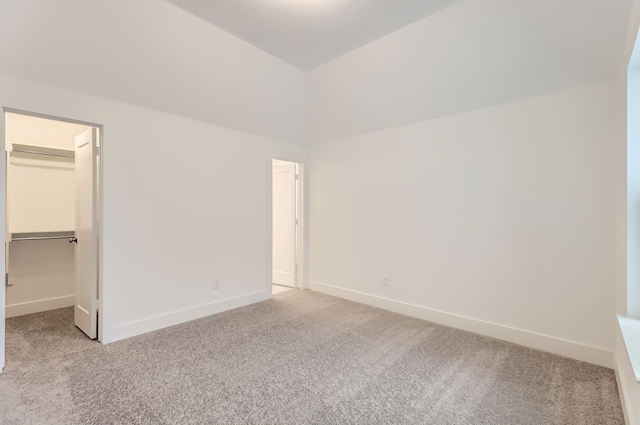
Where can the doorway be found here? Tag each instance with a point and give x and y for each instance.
(52, 228)
(286, 220)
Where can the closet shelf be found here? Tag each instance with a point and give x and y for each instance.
(41, 150)
(40, 236)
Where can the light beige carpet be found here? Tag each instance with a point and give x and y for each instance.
(300, 358)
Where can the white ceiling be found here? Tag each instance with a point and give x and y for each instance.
(473, 54)
(476, 54)
(309, 33)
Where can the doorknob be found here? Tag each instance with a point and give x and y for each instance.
(72, 240)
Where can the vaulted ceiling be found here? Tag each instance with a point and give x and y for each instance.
(409, 60)
(308, 33)
(474, 54)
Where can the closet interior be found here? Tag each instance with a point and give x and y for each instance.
(46, 199)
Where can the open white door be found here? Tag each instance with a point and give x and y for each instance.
(284, 223)
(86, 233)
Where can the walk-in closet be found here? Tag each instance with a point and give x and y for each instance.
(52, 218)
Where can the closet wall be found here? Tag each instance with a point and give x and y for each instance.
(40, 198)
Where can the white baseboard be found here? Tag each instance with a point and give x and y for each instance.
(550, 344)
(150, 324)
(15, 310)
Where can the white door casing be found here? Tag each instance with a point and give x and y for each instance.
(86, 233)
(284, 224)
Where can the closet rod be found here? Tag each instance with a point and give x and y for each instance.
(41, 238)
(43, 153)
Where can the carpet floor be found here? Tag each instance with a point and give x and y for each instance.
(299, 358)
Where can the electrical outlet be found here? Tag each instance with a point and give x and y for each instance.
(386, 280)
(216, 283)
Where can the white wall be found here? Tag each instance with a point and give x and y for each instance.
(153, 54)
(42, 275)
(502, 215)
(40, 189)
(40, 194)
(184, 202)
(30, 130)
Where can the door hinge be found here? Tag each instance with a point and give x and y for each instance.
(6, 280)
(297, 176)
(97, 150)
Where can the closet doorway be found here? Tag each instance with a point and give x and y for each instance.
(286, 233)
(52, 220)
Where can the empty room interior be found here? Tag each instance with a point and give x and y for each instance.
(320, 212)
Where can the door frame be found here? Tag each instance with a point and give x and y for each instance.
(3, 222)
(301, 229)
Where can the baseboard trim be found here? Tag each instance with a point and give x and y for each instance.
(150, 324)
(550, 344)
(15, 310)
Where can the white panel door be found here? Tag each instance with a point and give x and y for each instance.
(284, 224)
(86, 233)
